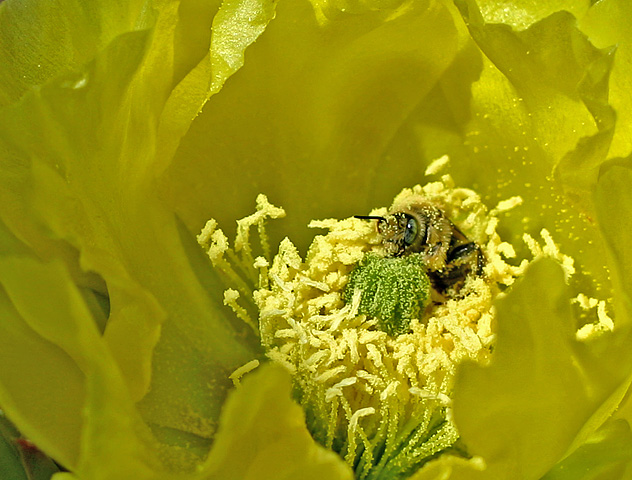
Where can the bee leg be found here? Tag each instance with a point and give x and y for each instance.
(461, 253)
(460, 261)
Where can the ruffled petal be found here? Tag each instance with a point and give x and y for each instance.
(263, 435)
(310, 116)
(79, 159)
(607, 26)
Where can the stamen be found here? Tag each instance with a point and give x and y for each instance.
(437, 165)
(243, 370)
(230, 299)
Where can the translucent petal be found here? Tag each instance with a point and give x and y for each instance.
(310, 115)
(41, 40)
(78, 163)
(82, 387)
(605, 455)
(607, 26)
(521, 14)
(544, 391)
(263, 435)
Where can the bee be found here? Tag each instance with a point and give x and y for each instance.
(419, 226)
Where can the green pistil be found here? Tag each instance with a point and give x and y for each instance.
(393, 290)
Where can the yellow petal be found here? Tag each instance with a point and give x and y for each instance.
(263, 435)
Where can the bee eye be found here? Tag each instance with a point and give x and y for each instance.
(411, 231)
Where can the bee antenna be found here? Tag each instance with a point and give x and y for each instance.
(370, 217)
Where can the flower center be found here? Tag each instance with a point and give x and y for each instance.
(373, 359)
(373, 348)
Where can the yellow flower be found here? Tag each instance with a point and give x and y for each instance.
(125, 125)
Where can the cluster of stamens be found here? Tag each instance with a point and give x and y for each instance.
(381, 400)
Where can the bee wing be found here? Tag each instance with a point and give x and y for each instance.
(458, 237)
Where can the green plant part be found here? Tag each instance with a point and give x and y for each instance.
(393, 289)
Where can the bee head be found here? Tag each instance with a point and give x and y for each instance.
(400, 230)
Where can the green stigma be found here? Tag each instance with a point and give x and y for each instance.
(393, 289)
